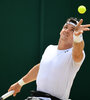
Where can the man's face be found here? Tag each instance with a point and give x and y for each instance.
(66, 33)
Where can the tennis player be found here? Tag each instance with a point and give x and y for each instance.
(59, 65)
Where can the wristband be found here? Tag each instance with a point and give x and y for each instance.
(78, 38)
(21, 82)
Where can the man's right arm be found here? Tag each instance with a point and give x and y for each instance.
(32, 74)
(29, 77)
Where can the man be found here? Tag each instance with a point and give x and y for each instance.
(55, 73)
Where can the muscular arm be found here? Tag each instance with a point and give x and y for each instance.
(32, 74)
(78, 43)
(77, 53)
(29, 77)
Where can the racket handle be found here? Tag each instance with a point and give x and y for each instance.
(6, 95)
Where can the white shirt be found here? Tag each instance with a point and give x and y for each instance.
(57, 72)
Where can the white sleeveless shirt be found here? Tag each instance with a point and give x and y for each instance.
(57, 72)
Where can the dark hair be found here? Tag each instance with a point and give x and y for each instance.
(73, 20)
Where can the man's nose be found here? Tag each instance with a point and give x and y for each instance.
(67, 30)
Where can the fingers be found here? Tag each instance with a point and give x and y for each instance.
(16, 87)
(86, 29)
(14, 94)
(79, 23)
(80, 32)
(85, 26)
(10, 89)
(80, 28)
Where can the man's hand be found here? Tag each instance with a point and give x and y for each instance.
(79, 29)
(16, 87)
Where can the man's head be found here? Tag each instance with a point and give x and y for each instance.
(72, 21)
(66, 33)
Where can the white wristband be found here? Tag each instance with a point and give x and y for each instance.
(21, 82)
(78, 38)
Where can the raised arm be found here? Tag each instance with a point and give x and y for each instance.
(78, 42)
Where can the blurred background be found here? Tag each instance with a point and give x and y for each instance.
(27, 27)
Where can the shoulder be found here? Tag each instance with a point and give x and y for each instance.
(51, 47)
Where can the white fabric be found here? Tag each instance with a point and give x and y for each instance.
(57, 72)
(71, 23)
(77, 39)
(21, 82)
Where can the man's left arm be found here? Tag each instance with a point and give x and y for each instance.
(78, 42)
(77, 52)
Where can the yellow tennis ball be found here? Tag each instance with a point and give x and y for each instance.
(81, 9)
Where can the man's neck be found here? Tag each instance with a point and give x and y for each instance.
(63, 45)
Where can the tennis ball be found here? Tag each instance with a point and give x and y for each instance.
(81, 9)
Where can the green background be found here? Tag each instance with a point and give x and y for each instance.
(27, 27)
